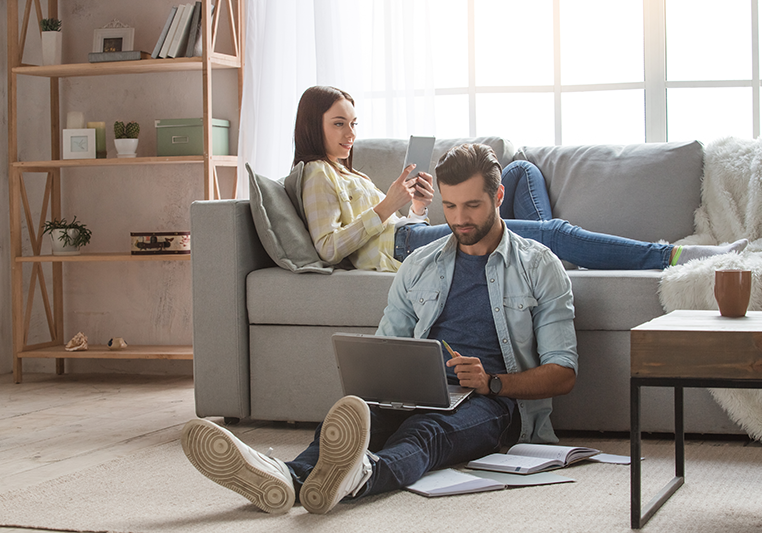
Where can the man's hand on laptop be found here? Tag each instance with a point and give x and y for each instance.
(470, 373)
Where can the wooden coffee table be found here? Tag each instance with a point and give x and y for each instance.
(687, 349)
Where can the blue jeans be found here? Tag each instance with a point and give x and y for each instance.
(409, 444)
(529, 199)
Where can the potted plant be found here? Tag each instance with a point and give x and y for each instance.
(67, 237)
(126, 138)
(51, 41)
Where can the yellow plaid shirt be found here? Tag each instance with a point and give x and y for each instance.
(341, 220)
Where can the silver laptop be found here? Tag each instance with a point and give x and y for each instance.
(396, 372)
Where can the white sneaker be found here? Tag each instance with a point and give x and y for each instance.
(223, 458)
(343, 466)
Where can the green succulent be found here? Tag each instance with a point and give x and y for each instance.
(50, 25)
(129, 131)
(82, 238)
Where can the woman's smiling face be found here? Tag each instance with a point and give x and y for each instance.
(339, 129)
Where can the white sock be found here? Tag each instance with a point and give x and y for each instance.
(683, 254)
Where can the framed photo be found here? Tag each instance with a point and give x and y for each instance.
(113, 39)
(79, 144)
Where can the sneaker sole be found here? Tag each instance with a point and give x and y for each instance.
(215, 455)
(343, 441)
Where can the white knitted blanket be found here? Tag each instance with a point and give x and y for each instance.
(731, 209)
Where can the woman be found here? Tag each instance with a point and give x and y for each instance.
(349, 217)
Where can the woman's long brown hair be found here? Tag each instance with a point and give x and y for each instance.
(309, 140)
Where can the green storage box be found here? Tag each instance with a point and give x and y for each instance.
(185, 136)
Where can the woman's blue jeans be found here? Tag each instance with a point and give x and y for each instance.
(526, 198)
(409, 444)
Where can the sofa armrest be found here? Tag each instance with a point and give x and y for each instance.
(225, 248)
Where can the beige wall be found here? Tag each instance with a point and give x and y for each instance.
(146, 303)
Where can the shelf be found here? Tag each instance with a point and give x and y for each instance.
(217, 160)
(100, 257)
(102, 352)
(141, 66)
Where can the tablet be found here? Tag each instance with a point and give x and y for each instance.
(419, 151)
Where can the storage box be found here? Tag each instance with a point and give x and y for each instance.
(185, 136)
(160, 242)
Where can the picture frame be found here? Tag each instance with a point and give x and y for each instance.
(119, 38)
(79, 143)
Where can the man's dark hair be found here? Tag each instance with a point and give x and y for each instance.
(463, 162)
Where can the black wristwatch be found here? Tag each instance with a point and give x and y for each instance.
(495, 386)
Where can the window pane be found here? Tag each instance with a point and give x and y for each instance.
(449, 32)
(708, 40)
(513, 42)
(452, 116)
(396, 118)
(603, 117)
(601, 41)
(707, 114)
(524, 119)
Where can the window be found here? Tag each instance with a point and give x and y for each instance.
(561, 71)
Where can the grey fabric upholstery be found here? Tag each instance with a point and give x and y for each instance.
(642, 191)
(281, 230)
(262, 334)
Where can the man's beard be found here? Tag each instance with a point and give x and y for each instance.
(475, 236)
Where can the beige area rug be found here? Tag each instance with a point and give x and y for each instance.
(157, 490)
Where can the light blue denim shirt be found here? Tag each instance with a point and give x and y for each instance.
(531, 299)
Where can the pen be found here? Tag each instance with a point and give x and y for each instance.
(452, 354)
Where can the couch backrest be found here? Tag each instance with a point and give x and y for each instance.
(642, 191)
(382, 160)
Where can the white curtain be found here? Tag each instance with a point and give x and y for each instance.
(370, 48)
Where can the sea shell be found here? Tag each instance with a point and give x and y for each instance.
(78, 343)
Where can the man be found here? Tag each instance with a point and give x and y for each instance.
(502, 300)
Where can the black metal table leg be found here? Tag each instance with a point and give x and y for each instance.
(639, 518)
(635, 455)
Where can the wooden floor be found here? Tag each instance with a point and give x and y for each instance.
(52, 425)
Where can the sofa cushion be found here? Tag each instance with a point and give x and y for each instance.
(614, 300)
(279, 227)
(382, 160)
(642, 191)
(345, 298)
(293, 185)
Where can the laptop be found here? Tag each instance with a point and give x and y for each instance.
(396, 372)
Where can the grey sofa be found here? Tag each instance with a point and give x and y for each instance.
(262, 346)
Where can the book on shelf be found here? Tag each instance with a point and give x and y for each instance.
(172, 30)
(180, 39)
(530, 458)
(194, 34)
(128, 55)
(449, 482)
(164, 32)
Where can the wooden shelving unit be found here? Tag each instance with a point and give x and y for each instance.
(20, 204)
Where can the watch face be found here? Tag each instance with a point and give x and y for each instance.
(495, 385)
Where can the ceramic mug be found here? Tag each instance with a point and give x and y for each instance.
(732, 290)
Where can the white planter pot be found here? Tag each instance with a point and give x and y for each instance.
(126, 147)
(51, 47)
(59, 248)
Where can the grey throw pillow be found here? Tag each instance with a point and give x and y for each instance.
(280, 229)
(293, 185)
